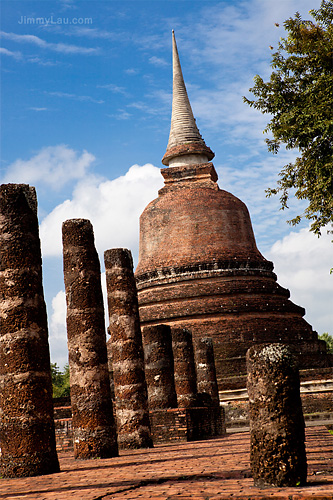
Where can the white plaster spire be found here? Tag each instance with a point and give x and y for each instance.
(185, 139)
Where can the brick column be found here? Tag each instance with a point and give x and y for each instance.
(276, 419)
(94, 429)
(157, 345)
(110, 366)
(127, 353)
(184, 367)
(205, 369)
(27, 436)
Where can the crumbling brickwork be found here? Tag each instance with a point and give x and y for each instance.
(184, 367)
(276, 420)
(130, 388)
(159, 368)
(27, 435)
(199, 268)
(205, 369)
(93, 423)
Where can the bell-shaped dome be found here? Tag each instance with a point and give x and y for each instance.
(193, 222)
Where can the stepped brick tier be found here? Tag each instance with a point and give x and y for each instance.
(199, 266)
(131, 399)
(27, 433)
(159, 369)
(277, 427)
(205, 369)
(93, 423)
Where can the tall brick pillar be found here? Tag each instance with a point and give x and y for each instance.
(127, 353)
(27, 437)
(184, 367)
(205, 369)
(110, 367)
(276, 419)
(93, 423)
(157, 344)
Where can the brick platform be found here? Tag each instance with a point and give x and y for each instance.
(205, 470)
(168, 426)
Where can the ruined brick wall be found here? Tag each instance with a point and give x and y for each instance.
(186, 424)
(63, 424)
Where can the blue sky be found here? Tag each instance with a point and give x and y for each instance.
(86, 107)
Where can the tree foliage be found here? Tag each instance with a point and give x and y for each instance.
(329, 341)
(60, 381)
(299, 98)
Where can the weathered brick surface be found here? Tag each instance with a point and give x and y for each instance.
(199, 175)
(93, 424)
(192, 226)
(27, 436)
(205, 369)
(131, 400)
(167, 425)
(199, 268)
(184, 367)
(317, 403)
(159, 369)
(276, 420)
(218, 469)
(185, 149)
(186, 424)
(64, 434)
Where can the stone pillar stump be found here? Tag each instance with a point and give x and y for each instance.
(157, 345)
(93, 423)
(205, 369)
(184, 367)
(27, 435)
(131, 400)
(276, 420)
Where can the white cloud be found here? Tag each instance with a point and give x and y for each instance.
(121, 114)
(131, 71)
(63, 48)
(75, 97)
(41, 62)
(302, 262)
(115, 89)
(57, 330)
(231, 41)
(53, 166)
(17, 55)
(38, 109)
(158, 61)
(94, 33)
(113, 207)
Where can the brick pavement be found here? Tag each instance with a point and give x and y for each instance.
(205, 470)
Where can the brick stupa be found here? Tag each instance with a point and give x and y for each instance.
(199, 265)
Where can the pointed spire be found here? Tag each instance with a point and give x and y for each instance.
(184, 138)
